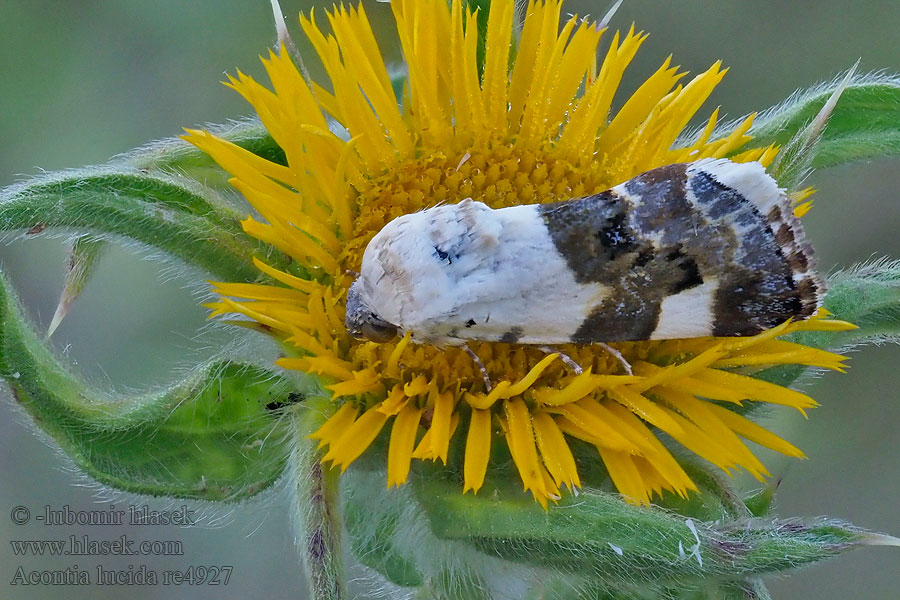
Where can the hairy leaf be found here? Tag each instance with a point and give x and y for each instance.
(864, 123)
(598, 534)
(216, 434)
(162, 213)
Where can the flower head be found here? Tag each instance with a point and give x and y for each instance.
(537, 128)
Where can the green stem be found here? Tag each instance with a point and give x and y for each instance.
(317, 513)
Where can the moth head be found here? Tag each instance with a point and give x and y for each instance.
(361, 321)
(397, 278)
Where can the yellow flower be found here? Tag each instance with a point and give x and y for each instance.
(536, 130)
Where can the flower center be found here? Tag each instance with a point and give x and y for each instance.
(502, 175)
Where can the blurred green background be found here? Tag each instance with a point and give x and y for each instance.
(82, 81)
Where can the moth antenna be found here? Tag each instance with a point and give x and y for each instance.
(618, 356)
(563, 357)
(484, 373)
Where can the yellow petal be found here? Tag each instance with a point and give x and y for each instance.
(393, 364)
(756, 389)
(478, 450)
(698, 411)
(335, 426)
(403, 438)
(588, 415)
(367, 380)
(555, 451)
(656, 455)
(425, 450)
(520, 439)
(419, 385)
(749, 430)
(441, 425)
(395, 402)
(661, 376)
(529, 379)
(356, 438)
(645, 409)
(625, 476)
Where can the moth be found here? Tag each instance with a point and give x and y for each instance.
(685, 250)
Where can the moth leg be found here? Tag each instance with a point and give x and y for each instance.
(484, 374)
(563, 357)
(617, 355)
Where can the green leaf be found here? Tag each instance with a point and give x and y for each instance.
(867, 295)
(216, 434)
(795, 158)
(450, 584)
(373, 536)
(864, 123)
(572, 587)
(168, 195)
(750, 589)
(175, 156)
(428, 535)
(388, 531)
(377, 521)
(165, 213)
(759, 502)
(600, 535)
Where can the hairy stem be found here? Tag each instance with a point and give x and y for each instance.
(317, 515)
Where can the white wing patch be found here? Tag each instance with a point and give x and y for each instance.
(688, 313)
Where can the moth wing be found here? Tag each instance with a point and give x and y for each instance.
(685, 250)
(775, 211)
